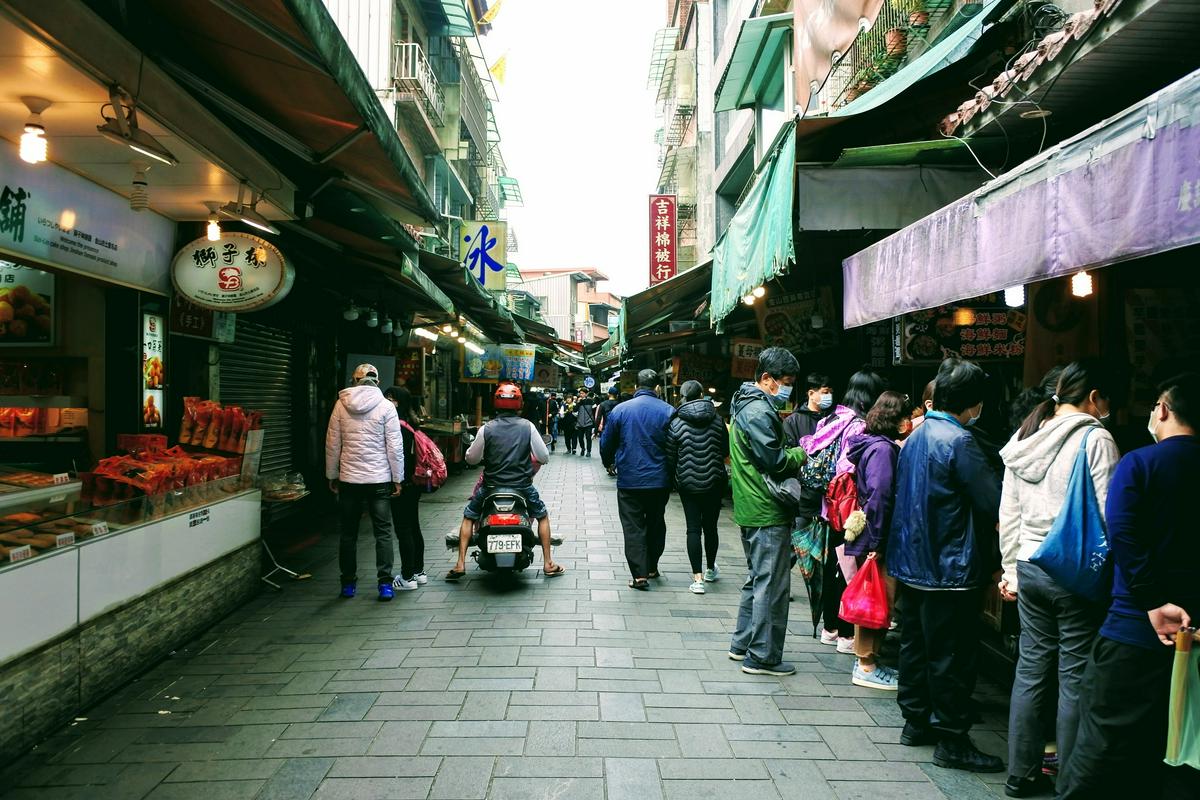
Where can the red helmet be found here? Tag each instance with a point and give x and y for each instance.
(508, 397)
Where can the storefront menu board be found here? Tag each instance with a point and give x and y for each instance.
(154, 336)
(787, 320)
(980, 329)
(27, 306)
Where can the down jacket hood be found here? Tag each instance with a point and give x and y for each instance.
(697, 413)
(361, 399)
(1030, 458)
(364, 443)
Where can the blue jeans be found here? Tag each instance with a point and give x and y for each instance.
(763, 613)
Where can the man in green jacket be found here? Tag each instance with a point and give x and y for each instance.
(757, 448)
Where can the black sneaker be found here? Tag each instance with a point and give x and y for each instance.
(959, 752)
(1028, 787)
(915, 735)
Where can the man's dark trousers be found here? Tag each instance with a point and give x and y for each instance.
(643, 519)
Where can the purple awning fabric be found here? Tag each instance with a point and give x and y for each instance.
(1127, 187)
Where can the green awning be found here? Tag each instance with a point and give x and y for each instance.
(510, 191)
(759, 242)
(950, 49)
(414, 273)
(448, 17)
(928, 152)
(753, 63)
(661, 53)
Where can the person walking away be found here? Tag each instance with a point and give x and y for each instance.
(811, 407)
(568, 423)
(697, 444)
(585, 421)
(634, 441)
(605, 408)
(507, 445)
(552, 412)
(1151, 516)
(406, 515)
(364, 462)
(757, 449)
(828, 443)
(874, 453)
(1057, 626)
(940, 551)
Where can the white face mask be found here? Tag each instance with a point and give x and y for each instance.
(1152, 425)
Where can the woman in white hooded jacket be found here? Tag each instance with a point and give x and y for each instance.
(1057, 626)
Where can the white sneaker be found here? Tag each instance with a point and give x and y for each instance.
(879, 678)
(421, 578)
(697, 587)
(712, 575)
(845, 645)
(401, 585)
(829, 637)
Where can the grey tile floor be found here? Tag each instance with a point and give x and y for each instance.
(576, 687)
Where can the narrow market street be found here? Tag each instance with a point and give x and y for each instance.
(572, 688)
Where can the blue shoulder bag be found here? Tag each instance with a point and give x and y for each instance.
(1075, 551)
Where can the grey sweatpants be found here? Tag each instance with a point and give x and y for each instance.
(763, 613)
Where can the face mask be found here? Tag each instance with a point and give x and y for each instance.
(824, 401)
(1103, 417)
(918, 422)
(974, 419)
(1152, 425)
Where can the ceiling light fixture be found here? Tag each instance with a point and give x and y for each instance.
(248, 214)
(1014, 296)
(139, 192)
(1036, 113)
(964, 317)
(749, 299)
(474, 348)
(759, 291)
(351, 313)
(213, 229)
(123, 128)
(373, 319)
(424, 334)
(398, 332)
(447, 328)
(386, 327)
(1081, 284)
(462, 340)
(33, 140)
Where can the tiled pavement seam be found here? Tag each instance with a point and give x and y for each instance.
(574, 687)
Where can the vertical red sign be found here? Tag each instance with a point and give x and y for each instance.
(662, 238)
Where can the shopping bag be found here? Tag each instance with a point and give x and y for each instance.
(1183, 727)
(1075, 551)
(865, 600)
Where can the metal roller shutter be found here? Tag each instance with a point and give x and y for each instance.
(256, 374)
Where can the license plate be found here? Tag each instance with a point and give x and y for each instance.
(504, 543)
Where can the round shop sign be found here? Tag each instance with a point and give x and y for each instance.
(237, 272)
(589, 382)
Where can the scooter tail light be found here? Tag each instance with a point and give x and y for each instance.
(503, 519)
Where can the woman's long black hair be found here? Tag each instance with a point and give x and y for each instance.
(1074, 386)
(862, 390)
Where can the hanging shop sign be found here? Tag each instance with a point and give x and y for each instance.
(744, 359)
(692, 366)
(236, 273)
(514, 362)
(981, 329)
(189, 319)
(154, 335)
(547, 376)
(519, 361)
(484, 252)
(800, 321)
(663, 262)
(27, 306)
(54, 216)
(410, 365)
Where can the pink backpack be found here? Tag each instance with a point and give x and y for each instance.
(431, 471)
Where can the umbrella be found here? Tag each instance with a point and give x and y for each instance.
(811, 541)
(1183, 726)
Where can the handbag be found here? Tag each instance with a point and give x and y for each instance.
(1075, 551)
(865, 600)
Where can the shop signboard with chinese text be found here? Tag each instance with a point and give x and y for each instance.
(663, 239)
(518, 361)
(189, 319)
(154, 338)
(744, 359)
(27, 306)
(981, 329)
(238, 272)
(787, 320)
(484, 252)
(709, 370)
(54, 216)
(410, 365)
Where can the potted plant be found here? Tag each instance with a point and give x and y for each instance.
(917, 15)
(896, 41)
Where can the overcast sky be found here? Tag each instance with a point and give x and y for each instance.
(577, 130)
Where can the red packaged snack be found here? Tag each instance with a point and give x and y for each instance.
(187, 423)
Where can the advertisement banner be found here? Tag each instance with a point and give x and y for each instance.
(27, 306)
(485, 367)
(154, 337)
(237, 272)
(786, 320)
(484, 252)
(663, 238)
(518, 361)
(547, 376)
(981, 329)
(745, 357)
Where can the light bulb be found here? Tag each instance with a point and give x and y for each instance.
(1081, 284)
(398, 333)
(424, 334)
(373, 319)
(462, 340)
(748, 299)
(964, 317)
(214, 230)
(447, 328)
(759, 291)
(350, 314)
(386, 327)
(1014, 296)
(33, 144)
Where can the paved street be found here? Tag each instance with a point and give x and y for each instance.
(573, 688)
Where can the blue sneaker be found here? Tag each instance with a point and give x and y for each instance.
(348, 591)
(385, 592)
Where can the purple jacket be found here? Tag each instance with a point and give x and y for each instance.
(874, 459)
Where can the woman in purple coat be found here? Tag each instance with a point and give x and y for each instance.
(873, 454)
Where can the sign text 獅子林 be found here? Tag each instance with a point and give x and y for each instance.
(238, 272)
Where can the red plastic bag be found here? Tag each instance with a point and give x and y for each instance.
(865, 600)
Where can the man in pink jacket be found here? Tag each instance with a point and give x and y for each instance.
(364, 462)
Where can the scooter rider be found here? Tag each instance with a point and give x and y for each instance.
(507, 445)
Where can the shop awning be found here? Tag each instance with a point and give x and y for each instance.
(471, 299)
(876, 198)
(758, 244)
(753, 63)
(682, 299)
(1119, 190)
(450, 17)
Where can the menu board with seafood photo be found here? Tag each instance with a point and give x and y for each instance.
(26, 306)
(981, 329)
(153, 373)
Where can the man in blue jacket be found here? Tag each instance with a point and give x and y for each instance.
(941, 549)
(634, 440)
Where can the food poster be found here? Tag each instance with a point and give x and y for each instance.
(153, 369)
(485, 367)
(981, 329)
(27, 298)
(547, 376)
(786, 320)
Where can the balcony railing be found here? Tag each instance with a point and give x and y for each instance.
(413, 75)
(473, 101)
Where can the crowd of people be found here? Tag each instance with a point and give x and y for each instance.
(906, 484)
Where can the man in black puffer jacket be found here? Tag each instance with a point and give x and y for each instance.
(697, 444)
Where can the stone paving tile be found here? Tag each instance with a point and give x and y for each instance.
(574, 688)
